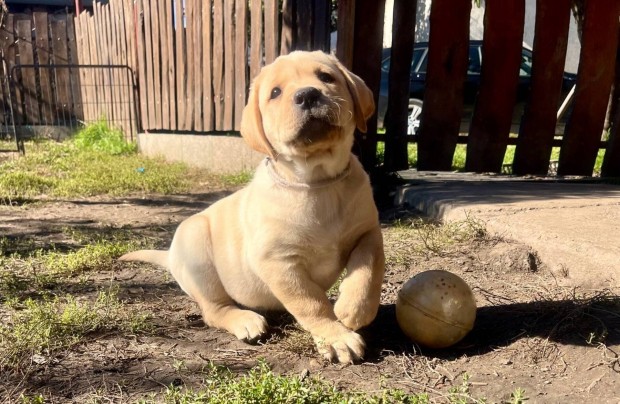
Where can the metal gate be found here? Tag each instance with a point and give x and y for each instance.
(8, 135)
(69, 96)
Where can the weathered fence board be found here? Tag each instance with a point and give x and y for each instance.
(537, 129)
(229, 64)
(207, 51)
(368, 40)
(403, 33)
(611, 161)
(585, 125)
(30, 108)
(271, 43)
(218, 63)
(446, 70)
(44, 58)
(241, 58)
(501, 53)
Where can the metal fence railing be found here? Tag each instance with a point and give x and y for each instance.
(71, 95)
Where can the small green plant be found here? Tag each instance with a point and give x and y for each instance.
(518, 396)
(99, 136)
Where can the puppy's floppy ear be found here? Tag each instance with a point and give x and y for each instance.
(252, 123)
(363, 99)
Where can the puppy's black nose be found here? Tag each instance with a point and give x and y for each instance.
(307, 98)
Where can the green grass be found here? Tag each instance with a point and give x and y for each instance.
(42, 327)
(260, 385)
(460, 154)
(96, 161)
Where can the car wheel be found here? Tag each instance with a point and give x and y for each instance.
(413, 119)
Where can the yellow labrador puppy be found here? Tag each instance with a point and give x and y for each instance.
(308, 214)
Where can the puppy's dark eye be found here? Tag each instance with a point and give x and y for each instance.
(325, 77)
(275, 93)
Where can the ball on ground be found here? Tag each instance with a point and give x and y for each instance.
(436, 309)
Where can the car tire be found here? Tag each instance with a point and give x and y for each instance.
(413, 118)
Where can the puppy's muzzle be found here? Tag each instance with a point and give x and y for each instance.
(307, 98)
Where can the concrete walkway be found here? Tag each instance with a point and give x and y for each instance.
(573, 225)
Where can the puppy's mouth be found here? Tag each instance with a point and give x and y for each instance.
(313, 130)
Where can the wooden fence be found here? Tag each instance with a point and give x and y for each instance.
(489, 132)
(194, 59)
(39, 97)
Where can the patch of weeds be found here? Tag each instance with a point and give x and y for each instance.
(45, 327)
(261, 385)
(51, 169)
(296, 340)
(100, 136)
(38, 272)
(100, 256)
(406, 240)
(237, 179)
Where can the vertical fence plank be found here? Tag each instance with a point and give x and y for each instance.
(180, 66)
(101, 50)
(241, 59)
(169, 38)
(150, 78)
(125, 92)
(538, 125)
(197, 84)
(611, 161)
(11, 38)
(287, 35)
(95, 89)
(229, 64)
(595, 76)
(163, 25)
(272, 32)
(190, 54)
(403, 27)
(321, 28)
(366, 63)
(207, 28)
(256, 38)
(74, 74)
(303, 25)
(43, 57)
(445, 77)
(30, 110)
(156, 63)
(141, 62)
(501, 53)
(346, 29)
(84, 58)
(110, 11)
(218, 63)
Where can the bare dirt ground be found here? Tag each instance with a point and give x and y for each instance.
(559, 345)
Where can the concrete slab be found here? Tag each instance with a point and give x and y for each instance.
(220, 154)
(573, 225)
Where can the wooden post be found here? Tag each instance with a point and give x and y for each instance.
(403, 33)
(445, 77)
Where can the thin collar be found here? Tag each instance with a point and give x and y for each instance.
(283, 182)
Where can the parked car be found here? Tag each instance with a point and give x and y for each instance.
(471, 85)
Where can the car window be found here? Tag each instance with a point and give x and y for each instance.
(415, 60)
(526, 64)
(474, 64)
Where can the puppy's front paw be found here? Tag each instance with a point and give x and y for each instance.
(353, 313)
(345, 347)
(246, 325)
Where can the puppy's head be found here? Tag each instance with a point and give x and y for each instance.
(305, 104)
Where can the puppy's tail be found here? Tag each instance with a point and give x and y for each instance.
(157, 257)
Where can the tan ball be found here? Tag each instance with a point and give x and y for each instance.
(436, 309)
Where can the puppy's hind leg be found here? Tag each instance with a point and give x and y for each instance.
(192, 266)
